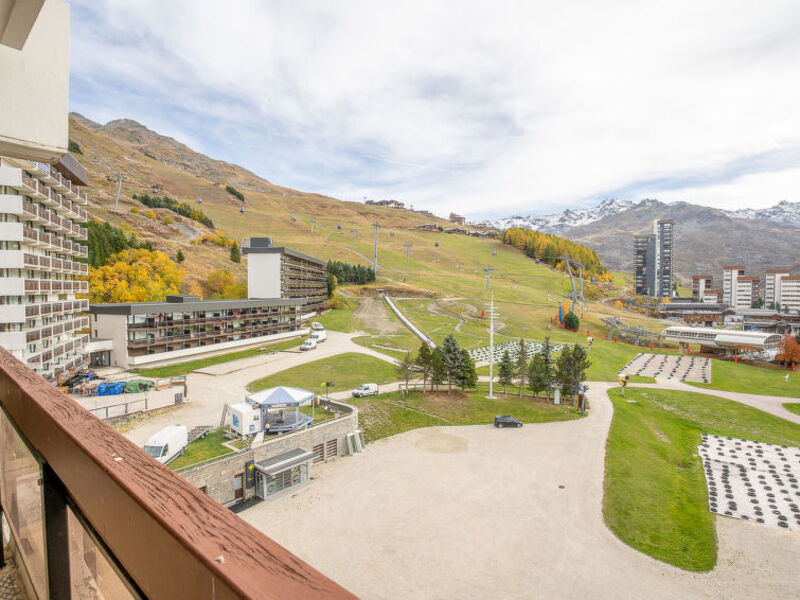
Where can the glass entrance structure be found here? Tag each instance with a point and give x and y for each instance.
(282, 472)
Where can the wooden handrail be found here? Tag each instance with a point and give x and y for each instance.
(173, 540)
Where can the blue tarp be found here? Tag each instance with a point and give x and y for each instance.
(109, 389)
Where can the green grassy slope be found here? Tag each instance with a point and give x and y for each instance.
(656, 498)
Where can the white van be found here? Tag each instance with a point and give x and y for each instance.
(168, 443)
(309, 344)
(319, 336)
(317, 326)
(366, 389)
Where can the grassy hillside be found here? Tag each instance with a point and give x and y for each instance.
(527, 294)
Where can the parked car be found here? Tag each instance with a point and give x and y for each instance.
(309, 344)
(317, 326)
(319, 336)
(366, 389)
(506, 421)
(166, 444)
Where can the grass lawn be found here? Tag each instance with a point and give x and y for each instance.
(189, 366)
(340, 319)
(392, 413)
(202, 449)
(793, 407)
(738, 377)
(346, 371)
(656, 498)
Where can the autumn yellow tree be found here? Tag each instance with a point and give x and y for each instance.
(135, 275)
(223, 285)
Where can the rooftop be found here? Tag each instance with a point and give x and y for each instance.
(188, 304)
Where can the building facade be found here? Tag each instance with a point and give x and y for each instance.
(653, 260)
(41, 244)
(277, 272)
(730, 284)
(772, 286)
(457, 219)
(185, 326)
(700, 285)
(790, 295)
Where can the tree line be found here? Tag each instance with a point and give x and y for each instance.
(341, 272)
(451, 364)
(548, 248)
(105, 240)
(542, 373)
(179, 208)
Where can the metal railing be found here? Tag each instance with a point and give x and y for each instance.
(99, 513)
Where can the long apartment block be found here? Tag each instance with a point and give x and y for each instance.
(41, 245)
(185, 326)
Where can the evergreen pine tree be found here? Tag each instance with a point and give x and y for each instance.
(452, 358)
(468, 376)
(438, 373)
(537, 380)
(506, 372)
(522, 365)
(424, 362)
(236, 255)
(180, 257)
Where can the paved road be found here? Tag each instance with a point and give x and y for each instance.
(209, 393)
(475, 512)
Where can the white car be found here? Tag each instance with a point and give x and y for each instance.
(366, 389)
(317, 326)
(309, 345)
(319, 336)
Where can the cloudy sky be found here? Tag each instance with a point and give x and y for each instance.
(485, 108)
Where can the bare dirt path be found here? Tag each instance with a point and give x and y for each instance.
(372, 313)
(475, 512)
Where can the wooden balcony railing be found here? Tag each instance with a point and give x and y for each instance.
(102, 505)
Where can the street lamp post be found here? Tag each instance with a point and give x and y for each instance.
(491, 395)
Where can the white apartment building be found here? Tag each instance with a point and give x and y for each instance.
(41, 207)
(730, 285)
(773, 280)
(790, 294)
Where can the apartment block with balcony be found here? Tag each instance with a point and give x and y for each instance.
(730, 284)
(789, 297)
(147, 333)
(748, 292)
(773, 280)
(277, 272)
(653, 258)
(41, 244)
(701, 285)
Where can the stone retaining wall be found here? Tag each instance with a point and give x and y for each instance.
(216, 477)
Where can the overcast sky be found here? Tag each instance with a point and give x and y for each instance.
(487, 109)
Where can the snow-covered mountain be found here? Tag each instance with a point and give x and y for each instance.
(783, 212)
(558, 223)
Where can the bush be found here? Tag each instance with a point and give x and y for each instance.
(167, 220)
(135, 210)
(571, 321)
(74, 147)
(236, 255)
(234, 192)
(150, 214)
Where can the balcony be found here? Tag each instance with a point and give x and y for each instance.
(11, 232)
(74, 475)
(12, 340)
(13, 259)
(13, 286)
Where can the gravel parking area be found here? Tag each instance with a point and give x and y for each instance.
(476, 512)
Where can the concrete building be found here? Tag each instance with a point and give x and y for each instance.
(730, 284)
(653, 260)
(34, 63)
(773, 287)
(146, 333)
(701, 283)
(277, 272)
(41, 241)
(790, 295)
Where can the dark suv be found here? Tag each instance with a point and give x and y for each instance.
(506, 421)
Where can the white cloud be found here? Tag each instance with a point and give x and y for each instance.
(484, 108)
